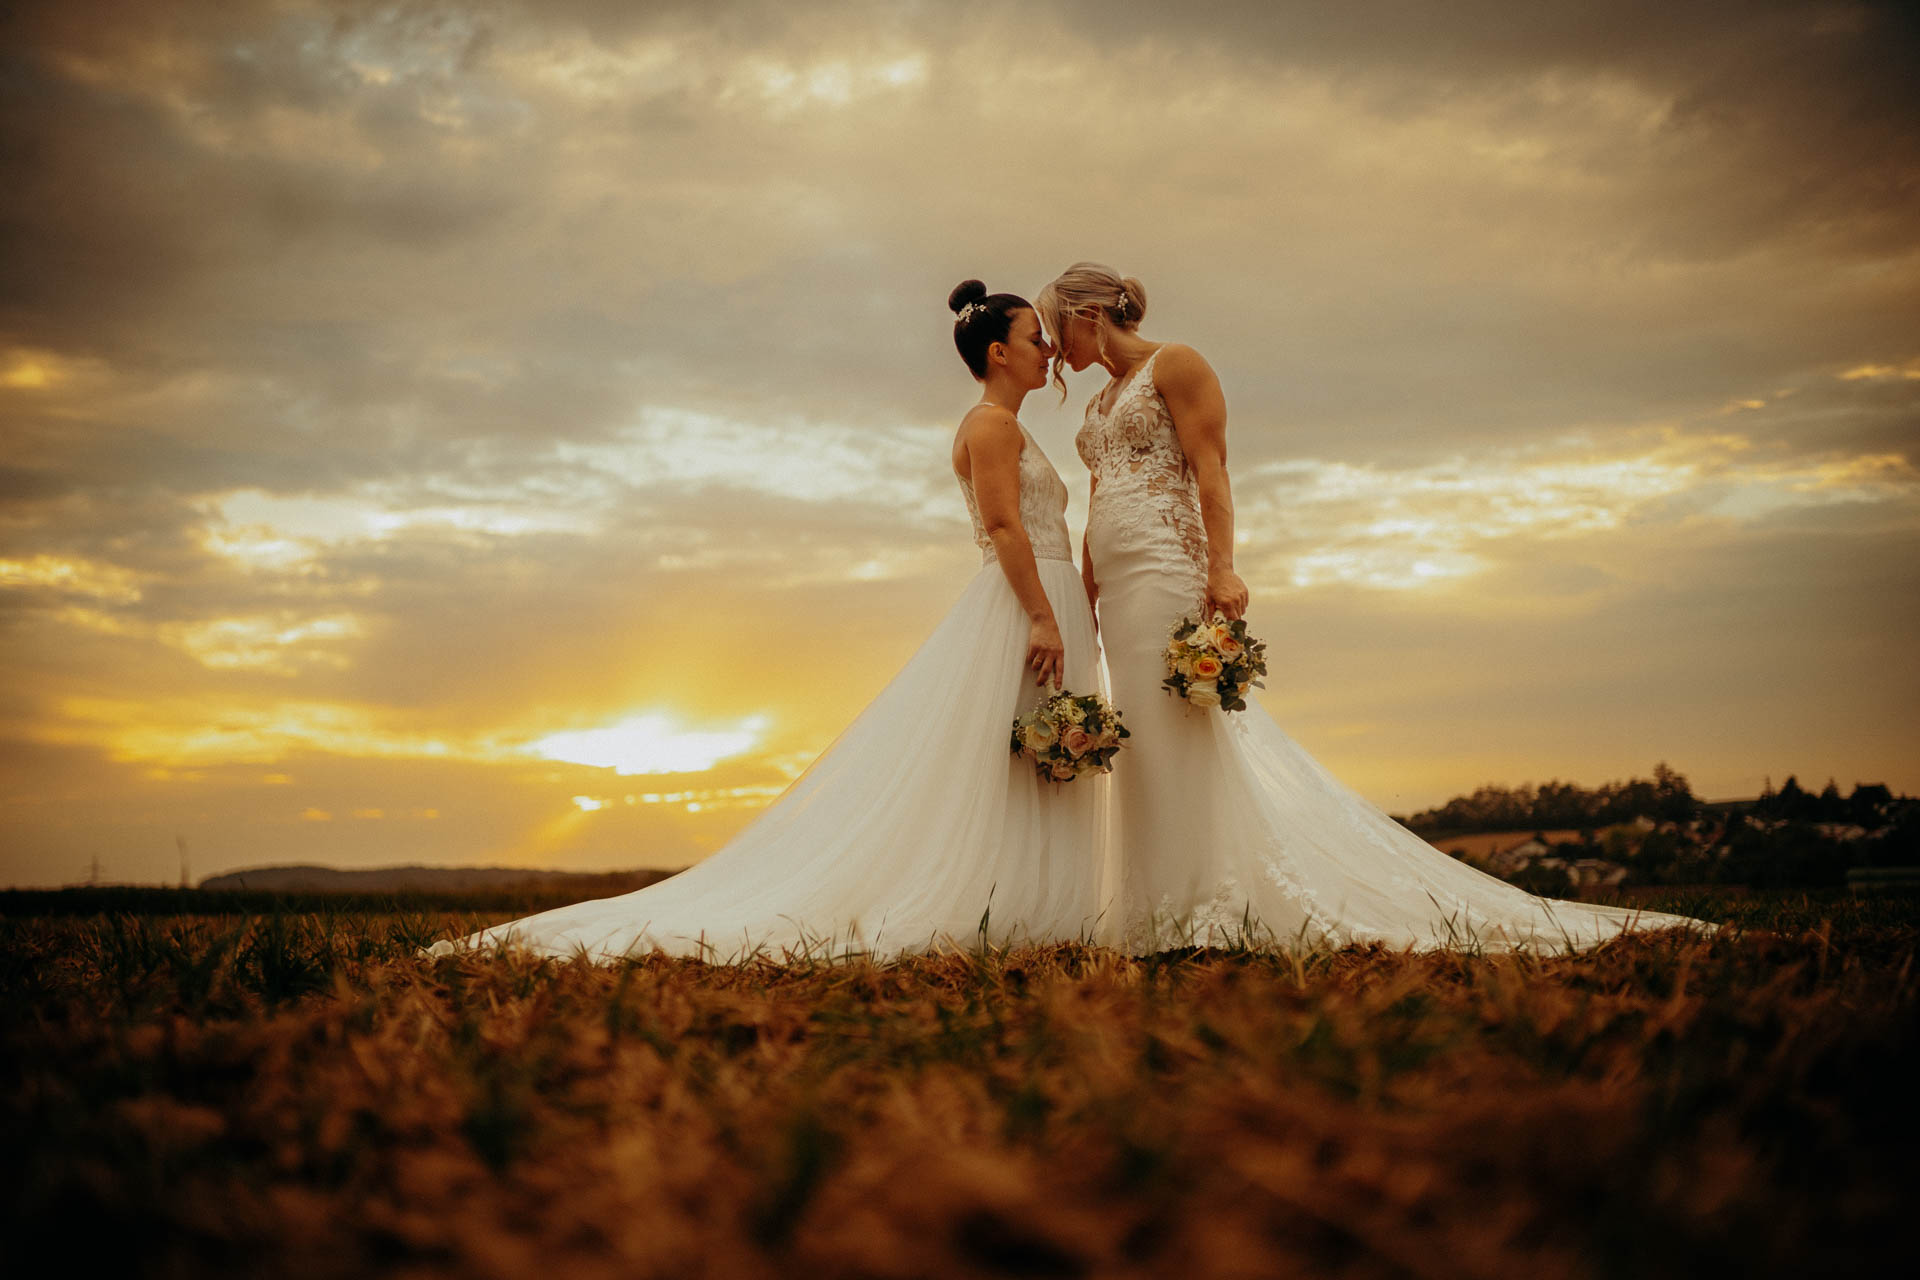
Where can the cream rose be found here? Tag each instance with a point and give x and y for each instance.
(1207, 668)
(1039, 735)
(1205, 693)
(1229, 647)
(1077, 741)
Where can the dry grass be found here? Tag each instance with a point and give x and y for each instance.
(298, 1096)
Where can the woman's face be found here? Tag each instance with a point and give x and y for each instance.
(1080, 340)
(1027, 350)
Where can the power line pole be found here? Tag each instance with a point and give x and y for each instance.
(181, 842)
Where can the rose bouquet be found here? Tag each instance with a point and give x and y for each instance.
(1069, 734)
(1212, 664)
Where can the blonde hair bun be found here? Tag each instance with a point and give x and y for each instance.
(1084, 286)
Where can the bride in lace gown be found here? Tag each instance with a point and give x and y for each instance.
(916, 827)
(1225, 827)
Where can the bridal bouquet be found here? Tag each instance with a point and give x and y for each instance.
(1069, 734)
(1212, 664)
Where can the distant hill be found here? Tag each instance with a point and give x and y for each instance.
(419, 879)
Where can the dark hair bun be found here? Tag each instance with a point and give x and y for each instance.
(990, 321)
(964, 292)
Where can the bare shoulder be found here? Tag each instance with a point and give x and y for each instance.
(989, 425)
(990, 436)
(1178, 366)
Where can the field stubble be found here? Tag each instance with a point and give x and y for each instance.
(195, 1095)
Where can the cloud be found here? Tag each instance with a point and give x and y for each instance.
(1309, 522)
(660, 215)
(376, 376)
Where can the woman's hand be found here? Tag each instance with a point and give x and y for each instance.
(1046, 654)
(1226, 593)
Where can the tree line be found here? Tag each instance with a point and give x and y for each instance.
(1665, 797)
(1562, 805)
(1789, 838)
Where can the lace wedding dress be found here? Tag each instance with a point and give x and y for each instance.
(1224, 827)
(916, 827)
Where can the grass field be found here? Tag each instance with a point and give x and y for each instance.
(294, 1094)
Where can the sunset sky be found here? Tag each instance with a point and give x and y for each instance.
(518, 434)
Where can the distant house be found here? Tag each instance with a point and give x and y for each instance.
(1588, 873)
(1502, 852)
(1595, 873)
(1507, 853)
(1505, 862)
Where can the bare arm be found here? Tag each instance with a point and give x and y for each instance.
(1192, 392)
(993, 442)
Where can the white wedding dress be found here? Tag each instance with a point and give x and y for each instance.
(917, 827)
(1225, 828)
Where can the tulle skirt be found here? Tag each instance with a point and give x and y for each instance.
(1226, 830)
(915, 829)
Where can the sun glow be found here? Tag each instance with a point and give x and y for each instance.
(650, 743)
(190, 732)
(37, 369)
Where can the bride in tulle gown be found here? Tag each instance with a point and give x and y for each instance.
(916, 828)
(1225, 828)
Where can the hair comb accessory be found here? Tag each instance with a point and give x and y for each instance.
(966, 312)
